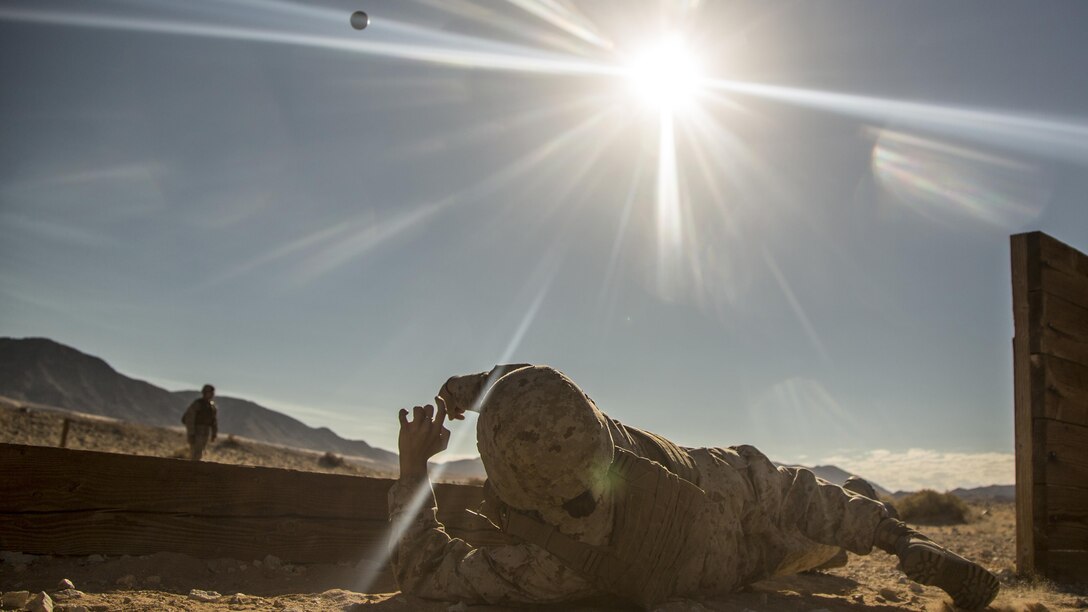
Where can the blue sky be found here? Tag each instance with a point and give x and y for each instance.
(812, 258)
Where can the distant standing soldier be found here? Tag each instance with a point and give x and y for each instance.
(201, 422)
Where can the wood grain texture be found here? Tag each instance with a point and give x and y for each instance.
(1050, 372)
(1060, 328)
(299, 540)
(1060, 256)
(1025, 264)
(1069, 566)
(1066, 523)
(1060, 389)
(42, 479)
(1063, 271)
(60, 501)
(1066, 461)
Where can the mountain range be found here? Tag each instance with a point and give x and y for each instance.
(46, 372)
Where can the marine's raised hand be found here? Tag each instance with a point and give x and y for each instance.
(422, 437)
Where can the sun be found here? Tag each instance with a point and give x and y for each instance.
(665, 76)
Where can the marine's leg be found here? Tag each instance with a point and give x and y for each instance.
(829, 514)
(199, 441)
(860, 486)
(750, 543)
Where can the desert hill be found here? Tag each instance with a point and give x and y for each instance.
(42, 371)
(1005, 493)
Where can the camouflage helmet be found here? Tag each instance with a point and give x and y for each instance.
(546, 447)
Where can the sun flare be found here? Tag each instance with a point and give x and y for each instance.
(665, 76)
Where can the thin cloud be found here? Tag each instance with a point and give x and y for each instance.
(920, 468)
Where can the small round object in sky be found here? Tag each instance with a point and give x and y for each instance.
(359, 20)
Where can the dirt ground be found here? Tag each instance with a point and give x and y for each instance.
(168, 581)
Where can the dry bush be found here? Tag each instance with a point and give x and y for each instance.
(928, 507)
(231, 442)
(180, 453)
(330, 460)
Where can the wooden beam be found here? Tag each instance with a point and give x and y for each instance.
(1025, 267)
(1059, 327)
(1059, 389)
(297, 539)
(1050, 371)
(1063, 271)
(60, 501)
(43, 479)
(1060, 256)
(1069, 566)
(1066, 523)
(1066, 461)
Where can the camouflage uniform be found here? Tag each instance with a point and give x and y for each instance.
(761, 521)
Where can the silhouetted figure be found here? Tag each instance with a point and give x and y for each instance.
(201, 422)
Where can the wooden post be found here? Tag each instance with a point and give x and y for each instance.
(64, 433)
(1025, 260)
(1050, 373)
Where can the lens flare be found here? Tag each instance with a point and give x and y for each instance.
(949, 183)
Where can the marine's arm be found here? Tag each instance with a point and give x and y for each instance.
(427, 562)
(461, 392)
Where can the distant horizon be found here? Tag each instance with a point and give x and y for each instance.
(928, 469)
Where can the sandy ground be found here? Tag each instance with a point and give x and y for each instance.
(166, 581)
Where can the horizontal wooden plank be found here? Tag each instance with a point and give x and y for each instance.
(60, 501)
(1068, 566)
(1065, 522)
(39, 478)
(1059, 327)
(1066, 503)
(1042, 263)
(1056, 254)
(1066, 459)
(1073, 288)
(44, 479)
(118, 533)
(299, 540)
(1059, 389)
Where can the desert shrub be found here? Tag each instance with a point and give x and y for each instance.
(929, 507)
(230, 442)
(330, 460)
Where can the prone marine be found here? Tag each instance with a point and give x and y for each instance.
(599, 508)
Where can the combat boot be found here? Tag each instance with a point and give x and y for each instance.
(969, 584)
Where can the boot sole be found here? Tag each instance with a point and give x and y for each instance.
(969, 584)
